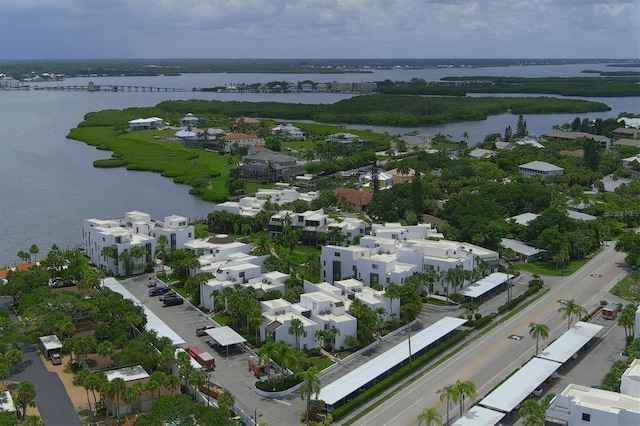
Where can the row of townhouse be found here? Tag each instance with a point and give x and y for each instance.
(396, 254)
(251, 205)
(312, 222)
(133, 230)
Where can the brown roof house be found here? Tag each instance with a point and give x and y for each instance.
(357, 200)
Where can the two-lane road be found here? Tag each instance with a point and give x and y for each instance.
(489, 359)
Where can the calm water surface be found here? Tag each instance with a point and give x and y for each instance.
(48, 184)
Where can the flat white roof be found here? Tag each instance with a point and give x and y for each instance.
(51, 342)
(6, 404)
(349, 383)
(519, 386)
(519, 247)
(542, 166)
(570, 342)
(226, 336)
(153, 322)
(485, 284)
(127, 374)
(479, 416)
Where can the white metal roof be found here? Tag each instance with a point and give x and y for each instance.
(128, 374)
(519, 386)
(153, 322)
(195, 364)
(570, 342)
(485, 284)
(479, 416)
(51, 342)
(519, 247)
(345, 385)
(226, 336)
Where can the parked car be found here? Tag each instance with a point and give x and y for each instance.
(213, 344)
(166, 295)
(202, 331)
(56, 359)
(173, 301)
(157, 291)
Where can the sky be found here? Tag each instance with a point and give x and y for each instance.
(102, 29)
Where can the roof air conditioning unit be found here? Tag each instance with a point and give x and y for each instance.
(264, 281)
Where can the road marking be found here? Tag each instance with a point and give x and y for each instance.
(282, 402)
(403, 411)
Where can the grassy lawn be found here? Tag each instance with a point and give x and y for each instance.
(549, 268)
(321, 362)
(221, 319)
(628, 289)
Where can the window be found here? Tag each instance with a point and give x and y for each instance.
(586, 417)
(189, 234)
(374, 266)
(337, 270)
(373, 279)
(336, 254)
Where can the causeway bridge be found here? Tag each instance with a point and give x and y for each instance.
(91, 87)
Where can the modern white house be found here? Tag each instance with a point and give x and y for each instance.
(540, 168)
(146, 123)
(289, 132)
(374, 299)
(278, 315)
(233, 140)
(216, 248)
(344, 138)
(385, 180)
(583, 406)
(135, 229)
(383, 261)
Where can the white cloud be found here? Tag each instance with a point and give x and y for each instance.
(321, 28)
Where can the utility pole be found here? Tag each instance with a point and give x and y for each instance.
(409, 345)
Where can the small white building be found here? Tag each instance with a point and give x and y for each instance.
(289, 132)
(540, 168)
(278, 315)
(344, 138)
(583, 406)
(146, 123)
(189, 120)
(233, 140)
(628, 163)
(134, 229)
(385, 181)
(131, 376)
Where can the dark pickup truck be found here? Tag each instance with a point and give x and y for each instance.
(202, 331)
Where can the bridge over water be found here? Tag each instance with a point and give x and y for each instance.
(91, 87)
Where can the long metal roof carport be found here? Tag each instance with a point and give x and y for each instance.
(153, 322)
(570, 342)
(518, 387)
(225, 336)
(486, 284)
(361, 376)
(479, 416)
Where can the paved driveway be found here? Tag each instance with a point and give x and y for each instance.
(54, 405)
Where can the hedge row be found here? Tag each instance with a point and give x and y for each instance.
(515, 302)
(397, 376)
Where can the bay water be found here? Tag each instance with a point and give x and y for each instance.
(48, 184)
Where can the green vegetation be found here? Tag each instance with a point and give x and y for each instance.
(629, 287)
(616, 84)
(551, 268)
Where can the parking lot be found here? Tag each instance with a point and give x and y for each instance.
(231, 370)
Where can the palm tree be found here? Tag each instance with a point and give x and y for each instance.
(532, 413)
(34, 250)
(226, 400)
(162, 249)
(627, 319)
(537, 331)
(137, 252)
(25, 396)
(297, 329)
(465, 389)
(108, 253)
(331, 335)
(570, 309)
(263, 244)
(448, 393)
(117, 386)
(403, 169)
(430, 416)
(156, 379)
(310, 386)
(321, 337)
(197, 379)
(267, 352)
(470, 309)
(131, 394)
(105, 349)
(392, 292)
(381, 312)
(172, 382)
